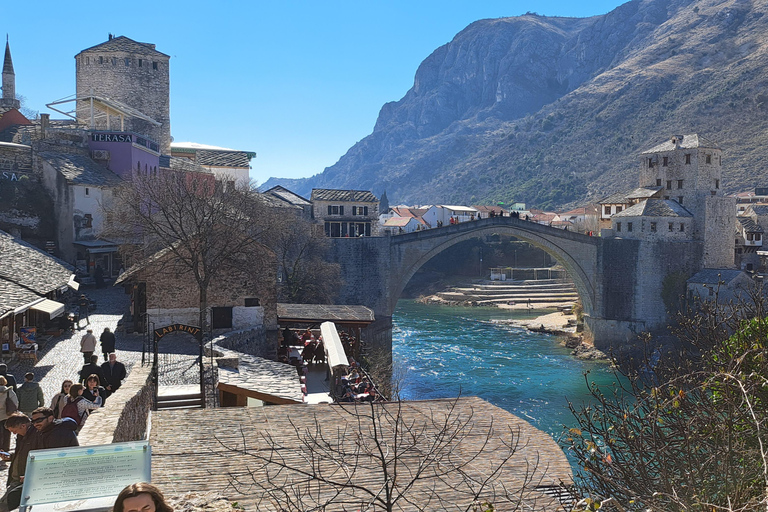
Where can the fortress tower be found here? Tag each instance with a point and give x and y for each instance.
(9, 101)
(133, 74)
(688, 169)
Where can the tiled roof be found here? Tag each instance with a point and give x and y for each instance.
(458, 208)
(617, 198)
(125, 44)
(27, 273)
(181, 164)
(329, 194)
(692, 141)
(398, 221)
(324, 313)
(81, 170)
(749, 225)
(655, 208)
(645, 193)
(287, 196)
(488, 209)
(223, 158)
(715, 275)
(758, 209)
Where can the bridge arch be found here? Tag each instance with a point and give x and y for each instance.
(576, 252)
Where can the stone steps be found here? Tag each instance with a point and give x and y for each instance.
(543, 291)
(189, 401)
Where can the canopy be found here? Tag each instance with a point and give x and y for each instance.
(334, 350)
(51, 307)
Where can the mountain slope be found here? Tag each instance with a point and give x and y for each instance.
(553, 111)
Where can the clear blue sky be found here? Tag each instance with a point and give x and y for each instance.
(298, 82)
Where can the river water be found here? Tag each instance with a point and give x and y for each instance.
(441, 351)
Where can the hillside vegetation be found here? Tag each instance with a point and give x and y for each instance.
(554, 111)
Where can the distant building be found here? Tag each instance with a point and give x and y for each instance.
(443, 213)
(230, 165)
(345, 213)
(281, 197)
(483, 212)
(653, 220)
(749, 240)
(723, 284)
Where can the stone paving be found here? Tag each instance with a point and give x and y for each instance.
(60, 358)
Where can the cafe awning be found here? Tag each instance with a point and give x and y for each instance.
(333, 347)
(51, 307)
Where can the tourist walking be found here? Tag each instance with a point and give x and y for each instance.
(82, 310)
(88, 345)
(30, 394)
(114, 372)
(19, 424)
(9, 402)
(91, 368)
(107, 340)
(10, 379)
(59, 400)
(78, 408)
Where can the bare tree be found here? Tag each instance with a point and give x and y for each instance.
(307, 277)
(189, 223)
(391, 457)
(685, 430)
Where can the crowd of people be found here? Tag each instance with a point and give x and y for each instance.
(357, 386)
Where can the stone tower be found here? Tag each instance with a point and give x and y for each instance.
(688, 169)
(9, 100)
(133, 74)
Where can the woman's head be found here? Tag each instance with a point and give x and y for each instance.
(92, 381)
(65, 386)
(141, 497)
(75, 390)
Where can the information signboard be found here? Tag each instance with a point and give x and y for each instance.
(101, 470)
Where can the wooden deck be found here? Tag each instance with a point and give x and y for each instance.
(224, 450)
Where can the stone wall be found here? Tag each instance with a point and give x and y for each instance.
(126, 413)
(253, 341)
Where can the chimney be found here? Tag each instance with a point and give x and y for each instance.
(44, 119)
(110, 36)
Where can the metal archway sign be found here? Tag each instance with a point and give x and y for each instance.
(158, 334)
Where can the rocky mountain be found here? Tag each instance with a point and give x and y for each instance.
(553, 111)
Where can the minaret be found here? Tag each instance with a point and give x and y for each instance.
(9, 80)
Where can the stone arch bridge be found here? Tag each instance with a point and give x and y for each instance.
(619, 281)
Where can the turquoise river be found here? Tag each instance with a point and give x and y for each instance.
(441, 351)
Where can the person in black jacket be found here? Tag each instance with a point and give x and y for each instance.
(26, 437)
(91, 368)
(114, 373)
(53, 433)
(107, 340)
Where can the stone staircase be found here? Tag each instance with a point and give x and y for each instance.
(179, 397)
(490, 293)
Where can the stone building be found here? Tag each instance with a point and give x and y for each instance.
(280, 197)
(688, 168)
(345, 213)
(129, 73)
(749, 240)
(653, 220)
(164, 292)
(229, 165)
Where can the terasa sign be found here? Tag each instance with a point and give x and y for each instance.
(191, 329)
(111, 137)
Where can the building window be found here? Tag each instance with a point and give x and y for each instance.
(688, 158)
(154, 65)
(87, 191)
(618, 227)
(629, 226)
(87, 61)
(682, 227)
(717, 183)
(619, 208)
(139, 62)
(709, 159)
(665, 161)
(666, 197)
(114, 61)
(758, 237)
(653, 227)
(680, 199)
(221, 318)
(335, 210)
(658, 182)
(714, 192)
(87, 220)
(606, 210)
(127, 62)
(252, 302)
(671, 226)
(650, 163)
(669, 184)
(101, 59)
(360, 210)
(679, 183)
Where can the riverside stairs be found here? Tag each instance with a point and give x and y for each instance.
(619, 281)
